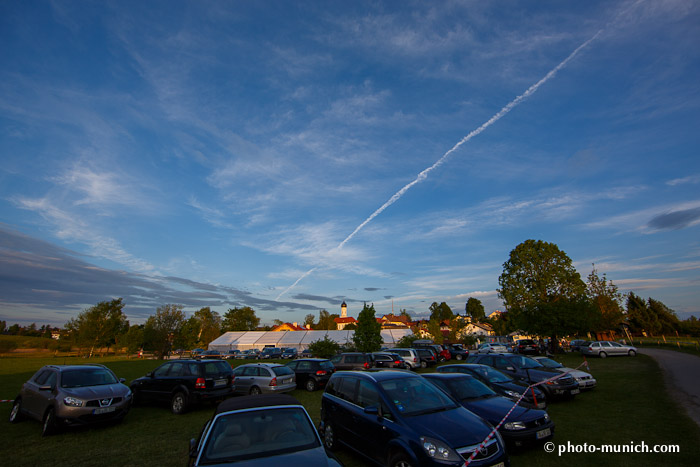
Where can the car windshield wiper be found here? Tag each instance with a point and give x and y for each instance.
(433, 410)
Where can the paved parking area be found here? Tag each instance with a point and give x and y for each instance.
(682, 377)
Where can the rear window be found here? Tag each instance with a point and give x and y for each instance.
(327, 365)
(216, 368)
(282, 370)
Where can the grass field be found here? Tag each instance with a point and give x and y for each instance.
(629, 405)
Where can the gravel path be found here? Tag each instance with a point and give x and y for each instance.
(682, 377)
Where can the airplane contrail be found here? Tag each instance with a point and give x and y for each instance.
(424, 174)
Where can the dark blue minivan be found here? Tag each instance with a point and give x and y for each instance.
(399, 419)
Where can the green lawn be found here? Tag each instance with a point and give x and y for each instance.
(629, 405)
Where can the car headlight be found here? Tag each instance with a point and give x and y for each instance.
(439, 450)
(72, 401)
(514, 426)
(513, 394)
(546, 417)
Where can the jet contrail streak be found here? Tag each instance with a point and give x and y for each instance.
(424, 174)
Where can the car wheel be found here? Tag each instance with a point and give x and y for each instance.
(135, 398)
(16, 412)
(458, 357)
(254, 391)
(329, 439)
(424, 364)
(310, 385)
(178, 404)
(602, 355)
(49, 425)
(400, 460)
(632, 353)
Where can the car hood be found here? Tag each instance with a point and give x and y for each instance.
(574, 373)
(538, 374)
(315, 457)
(458, 427)
(98, 392)
(518, 387)
(493, 409)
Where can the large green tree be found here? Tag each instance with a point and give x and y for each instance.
(640, 318)
(240, 319)
(309, 320)
(368, 335)
(326, 321)
(543, 292)
(99, 326)
(441, 312)
(607, 300)
(324, 348)
(164, 329)
(475, 310)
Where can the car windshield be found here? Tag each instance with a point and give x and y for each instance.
(253, 434)
(491, 374)
(525, 363)
(468, 388)
(87, 377)
(416, 396)
(549, 363)
(282, 370)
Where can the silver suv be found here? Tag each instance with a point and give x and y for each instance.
(258, 378)
(410, 356)
(62, 395)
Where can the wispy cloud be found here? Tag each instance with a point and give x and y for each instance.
(689, 180)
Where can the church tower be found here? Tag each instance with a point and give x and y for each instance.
(343, 310)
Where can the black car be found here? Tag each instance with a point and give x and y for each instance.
(522, 426)
(397, 418)
(530, 371)
(526, 347)
(388, 360)
(209, 354)
(183, 383)
(501, 383)
(427, 357)
(268, 429)
(458, 352)
(312, 373)
(577, 344)
(353, 361)
(270, 352)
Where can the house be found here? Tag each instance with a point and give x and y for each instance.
(392, 321)
(342, 322)
(287, 327)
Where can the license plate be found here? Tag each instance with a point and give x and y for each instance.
(544, 433)
(103, 410)
(500, 464)
(575, 391)
(219, 383)
(287, 381)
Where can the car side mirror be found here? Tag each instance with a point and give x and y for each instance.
(510, 368)
(149, 374)
(372, 410)
(193, 446)
(122, 380)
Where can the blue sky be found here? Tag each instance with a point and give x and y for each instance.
(225, 153)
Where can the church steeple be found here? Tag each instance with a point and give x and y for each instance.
(343, 310)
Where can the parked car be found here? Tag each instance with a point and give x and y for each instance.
(501, 383)
(491, 348)
(604, 349)
(250, 354)
(270, 353)
(259, 378)
(388, 360)
(209, 354)
(312, 373)
(441, 352)
(270, 429)
(522, 427)
(397, 418)
(196, 352)
(576, 344)
(458, 351)
(184, 383)
(526, 347)
(234, 353)
(289, 352)
(427, 357)
(530, 371)
(306, 353)
(353, 361)
(63, 395)
(410, 356)
(584, 380)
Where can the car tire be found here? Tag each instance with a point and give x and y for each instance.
(400, 459)
(602, 355)
(48, 426)
(458, 357)
(178, 404)
(254, 391)
(424, 364)
(329, 439)
(311, 385)
(632, 353)
(16, 411)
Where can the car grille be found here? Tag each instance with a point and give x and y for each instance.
(536, 423)
(96, 402)
(565, 380)
(490, 450)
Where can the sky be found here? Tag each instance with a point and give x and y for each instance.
(289, 156)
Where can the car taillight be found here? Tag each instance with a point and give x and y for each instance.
(415, 359)
(201, 383)
(273, 382)
(366, 365)
(320, 373)
(397, 362)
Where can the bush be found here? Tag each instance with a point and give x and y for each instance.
(324, 348)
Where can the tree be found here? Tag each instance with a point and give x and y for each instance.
(209, 323)
(543, 292)
(441, 312)
(475, 310)
(667, 318)
(606, 299)
(133, 339)
(326, 321)
(240, 319)
(309, 321)
(368, 335)
(403, 312)
(640, 318)
(324, 348)
(407, 341)
(162, 329)
(435, 331)
(99, 325)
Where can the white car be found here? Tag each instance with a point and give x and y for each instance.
(492, 348)
(584, 380)
(604, 349)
